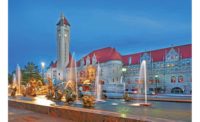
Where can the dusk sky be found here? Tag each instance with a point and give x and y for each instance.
(130, 26)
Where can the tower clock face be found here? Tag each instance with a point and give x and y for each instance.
(65, 35)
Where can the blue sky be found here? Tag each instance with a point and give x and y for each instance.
(128, 25)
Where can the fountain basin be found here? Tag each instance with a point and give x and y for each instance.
(80, 114)
(115, 109)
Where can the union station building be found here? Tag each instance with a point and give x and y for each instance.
(168, 69)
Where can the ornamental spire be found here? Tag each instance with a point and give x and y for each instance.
(62, 15)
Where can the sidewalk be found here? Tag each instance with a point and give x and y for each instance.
(21, 115)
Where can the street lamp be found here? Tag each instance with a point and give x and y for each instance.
(123, 71)
(156, 79)
(43, 66)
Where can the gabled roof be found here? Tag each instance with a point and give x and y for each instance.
(103, 55)
(185, 51)
(71, 61)
(109, 53)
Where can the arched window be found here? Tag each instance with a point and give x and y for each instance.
(177, 90)
(180, 79)
(173, 79)
(151, 80)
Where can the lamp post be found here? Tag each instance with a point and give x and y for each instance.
(43, 66)
(156, 79)
(123, 71)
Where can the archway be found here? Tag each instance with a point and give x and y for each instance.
(177, 90)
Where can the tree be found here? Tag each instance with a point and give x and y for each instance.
(30, 71)
(10, 78)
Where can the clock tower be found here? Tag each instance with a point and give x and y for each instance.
(63, 41)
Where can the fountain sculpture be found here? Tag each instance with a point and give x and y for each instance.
(88, 101)
(50, 92)
(58, 94)
(30, 90)
(70, 95)
(98, 85)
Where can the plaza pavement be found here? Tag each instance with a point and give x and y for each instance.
(22, 115)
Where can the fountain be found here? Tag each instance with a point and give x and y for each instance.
(70, 88)
(121, 79)
(17, 81)
(76, 79)
(98, 109)
(71, 72)
(143, 77)
(13, 86)
(14, 82)
(98, 85)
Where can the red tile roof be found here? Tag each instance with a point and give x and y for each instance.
(159, 55)
(108, 53)
(103, 55)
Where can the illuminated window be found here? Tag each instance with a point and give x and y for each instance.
(173, 79)
(180, 79)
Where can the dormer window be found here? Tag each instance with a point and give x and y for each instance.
(94, 60)
(88, 60)
(129, 60)
(145, 57)
(82, 61)
(172, 55)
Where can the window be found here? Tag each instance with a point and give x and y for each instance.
(101, 72)
(151, 80)
(136, 80)
(157, 80)
(188, 62)
(173, 79)
(180, 79)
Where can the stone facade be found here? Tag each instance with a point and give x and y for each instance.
(168, 69)
(63, 42)
(171, 75)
